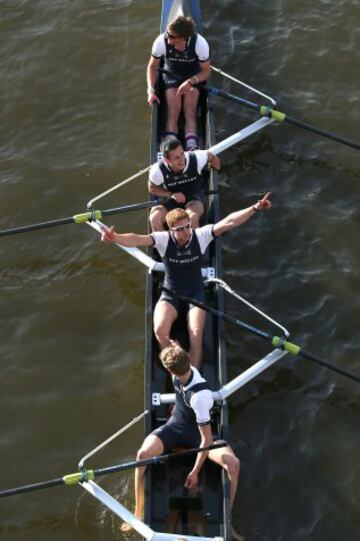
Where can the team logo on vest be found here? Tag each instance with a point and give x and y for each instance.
(185, 252)
(182, 179)
(181, 261)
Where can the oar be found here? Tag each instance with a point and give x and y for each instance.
(276, 341)
(89, 216)
(89, 475)
(80, 218)
(270, 112)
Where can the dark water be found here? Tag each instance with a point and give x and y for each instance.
(74, 122)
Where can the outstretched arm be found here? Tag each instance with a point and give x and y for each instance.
(125, 239)
(239, 217)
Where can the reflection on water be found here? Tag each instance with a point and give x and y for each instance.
(75, 122)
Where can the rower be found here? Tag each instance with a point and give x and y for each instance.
(188, 426)
(178, 178)
(186, 61)
(181, 249)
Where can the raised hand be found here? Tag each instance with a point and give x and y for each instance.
(264, 203)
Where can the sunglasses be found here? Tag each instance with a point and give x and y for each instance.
(181, 227)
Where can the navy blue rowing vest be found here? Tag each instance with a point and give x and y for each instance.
(183, 414)
(184, 63)
(189, 183)
(183, 267)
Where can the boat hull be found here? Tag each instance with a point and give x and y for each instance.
(169, 507)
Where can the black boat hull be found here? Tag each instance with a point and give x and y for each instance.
(169, 507)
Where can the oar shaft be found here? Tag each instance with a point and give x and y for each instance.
(320, 131)
(275, 340)
(221, 315)
(129, 208)
(76, 219)
(155, 460)
(232, 97)
(282, 117)
(87, 216)
(329, 365)
(80, 218)
(32, 487)
(34, 227)
(140, 206)
(84, 475)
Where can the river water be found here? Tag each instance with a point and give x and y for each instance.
(74, 122)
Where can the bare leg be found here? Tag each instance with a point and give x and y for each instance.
(164, 316)
(152, 446)
(174, 104)
(195, 210)
(225, 457)
(190, 110)
(196, 322)
(157, 218)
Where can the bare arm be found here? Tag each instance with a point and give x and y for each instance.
(206, 440)
(125, 239)
(151, 76)
(179, 197)
(239, 217)
(205, 71)
(200, 77)
(158, 190)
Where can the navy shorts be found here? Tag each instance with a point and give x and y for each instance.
(174, 435)
(180, 305)
(171, 204)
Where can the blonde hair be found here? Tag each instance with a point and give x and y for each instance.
(175, 216)
(175, 359)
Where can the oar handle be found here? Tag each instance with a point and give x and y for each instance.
(157, 459)
(218, 92)
(220, 315)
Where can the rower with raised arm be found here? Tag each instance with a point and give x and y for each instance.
(181, 249)
(188, 426)
(178, 178)
(186, 56)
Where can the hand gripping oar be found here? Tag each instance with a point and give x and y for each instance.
(89, 475)
(270, 112)
(276, 341)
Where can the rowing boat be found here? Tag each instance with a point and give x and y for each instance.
(168, 505)
(171, 512)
